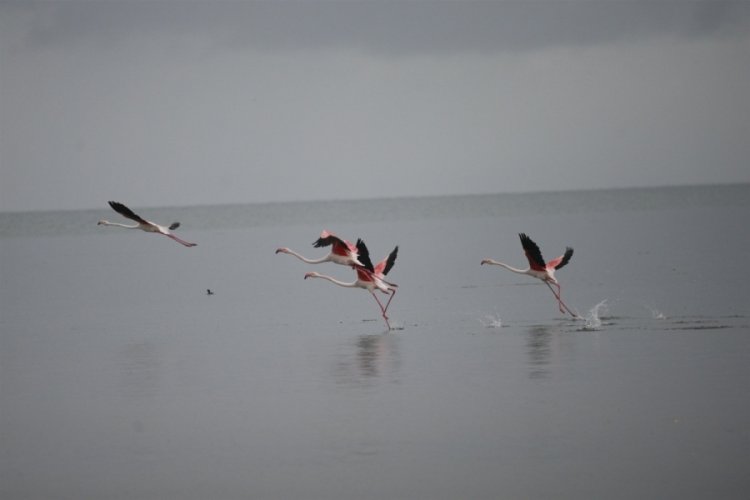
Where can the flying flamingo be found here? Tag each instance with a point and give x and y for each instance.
(342, 252)
(369, 278)
(143, 224)
(539, 269)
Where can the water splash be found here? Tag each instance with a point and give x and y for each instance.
(397, 326)
(492, 321)
(655, 313)
(594, 317)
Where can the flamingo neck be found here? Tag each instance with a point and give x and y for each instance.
(334, 280)
(117, 224)
(305, 259)
(506, 266)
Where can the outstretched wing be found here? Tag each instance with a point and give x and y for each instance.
(364, 255)
(563, 259)
(327, 239)
(126, 212)
(533, 254)
(386, 264)
(340, 247)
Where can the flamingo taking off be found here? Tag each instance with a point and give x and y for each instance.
(539, 269)
(143, 224)
(342, 252)
(369, 277)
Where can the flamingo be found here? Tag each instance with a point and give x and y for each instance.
(368, 277)
(539, 269)
(143, 224)
(342, 252)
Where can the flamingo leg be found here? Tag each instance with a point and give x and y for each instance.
(181, 241)
(556, 294)
(382, 309)
(559, 297)
(392, 294)
(561, 304)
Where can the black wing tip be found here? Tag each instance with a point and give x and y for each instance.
(324, 242)
(126, 212)
(391, 260)
(363, 255)
(566, 257)
(532, 250)
(120, 208)
(527, 242)
(117, 205)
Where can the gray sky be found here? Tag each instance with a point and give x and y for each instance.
(178, 102)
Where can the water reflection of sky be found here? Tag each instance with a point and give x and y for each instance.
(140, 370)
(538, 349)
(368, 359)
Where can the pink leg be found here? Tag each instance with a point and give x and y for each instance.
(393, 293)
(559, 298)
(382, 309)
(178, 240)
(560, 303)
(556, 294)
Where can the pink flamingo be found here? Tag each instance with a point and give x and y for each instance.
(342, 252)
(143, 224)
(539, 269)
(369, 278)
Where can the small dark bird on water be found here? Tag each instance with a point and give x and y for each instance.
(209, 292)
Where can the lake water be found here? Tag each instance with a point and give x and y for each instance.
(121, 378)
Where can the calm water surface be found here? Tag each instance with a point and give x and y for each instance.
(121, 378)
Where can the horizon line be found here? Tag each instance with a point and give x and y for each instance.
(405, 197)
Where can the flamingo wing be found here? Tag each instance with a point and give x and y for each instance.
(340, 247)
(562, 260)
(364, 256)
(127, 213)
(385, 265)
(363, 274)
(533, 254)
(327, 239)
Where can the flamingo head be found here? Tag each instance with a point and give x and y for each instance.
(485, 261)
(102, 222)
(282, 250)
(312, 275)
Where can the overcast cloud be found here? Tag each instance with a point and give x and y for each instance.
(182, 102)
